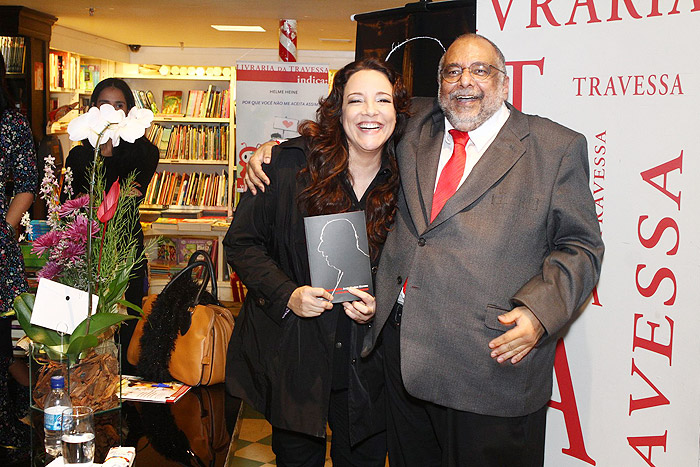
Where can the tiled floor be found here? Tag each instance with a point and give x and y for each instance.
(254, 441)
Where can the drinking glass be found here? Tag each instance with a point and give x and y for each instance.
(78, 436)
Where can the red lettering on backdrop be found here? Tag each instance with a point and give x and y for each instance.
(661, 274)
(674, 11)
(651, 344)
(645, 403)
(567, 405)
(518, 78)
(596, 299)
(663, 224)
(654, 9)
(663, 170)
(615, 16)
(499, 12)
(545, 9)
(592, 17)
(648, 442)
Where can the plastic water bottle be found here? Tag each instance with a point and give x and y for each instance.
(56, 402)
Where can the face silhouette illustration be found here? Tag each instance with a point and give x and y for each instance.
(344, 261)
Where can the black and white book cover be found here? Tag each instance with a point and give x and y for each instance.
(339, 254)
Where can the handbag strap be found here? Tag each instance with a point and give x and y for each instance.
(188, 270)
(210, 265)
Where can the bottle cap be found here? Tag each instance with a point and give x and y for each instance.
(57, 382)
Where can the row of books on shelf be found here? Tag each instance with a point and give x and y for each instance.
(89, 77)
(191, 142)
(209, 103)
(145, 100)
(64, 70)
(188, 189)
(12, 49)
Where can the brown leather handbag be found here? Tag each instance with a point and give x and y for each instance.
(185, 331)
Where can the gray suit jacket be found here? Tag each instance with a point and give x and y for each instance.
(522, 229)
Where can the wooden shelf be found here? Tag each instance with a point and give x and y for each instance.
(192, 162)
(177, 119)
(177, 77)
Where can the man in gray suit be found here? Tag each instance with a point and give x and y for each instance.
(495, 246)
(485, 281)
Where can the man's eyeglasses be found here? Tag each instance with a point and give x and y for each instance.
(479, 71)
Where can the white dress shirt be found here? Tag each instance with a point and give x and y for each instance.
(479, 141)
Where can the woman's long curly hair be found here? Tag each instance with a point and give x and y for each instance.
(327, 161)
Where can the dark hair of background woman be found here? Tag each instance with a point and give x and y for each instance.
(327, 161)
(113, 83)
(6, 101)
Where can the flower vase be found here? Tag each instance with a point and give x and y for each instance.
(94, 379)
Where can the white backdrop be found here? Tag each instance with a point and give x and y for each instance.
(626, 74)
(271, 99)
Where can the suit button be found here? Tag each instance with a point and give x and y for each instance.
(338, 345)
(399, 280)
(421, 241)
(353, 361)
(374, 269)
(261, 301)
(369, 325)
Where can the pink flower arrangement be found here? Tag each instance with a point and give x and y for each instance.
(69, 247)
(73, 206)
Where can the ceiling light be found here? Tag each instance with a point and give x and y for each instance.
(227, 27)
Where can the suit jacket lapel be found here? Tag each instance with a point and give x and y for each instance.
(503, 153)
(418, 172)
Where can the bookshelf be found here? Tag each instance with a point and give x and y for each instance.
(197, 151)
(197, 148)
(29, 32)
(158, 236)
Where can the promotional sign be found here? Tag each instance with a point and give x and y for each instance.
(272, 99)
(627, 384)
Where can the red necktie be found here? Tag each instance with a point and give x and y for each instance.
(452, 172)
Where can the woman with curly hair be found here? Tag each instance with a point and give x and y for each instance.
(295, 356)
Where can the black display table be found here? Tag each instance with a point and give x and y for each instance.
(195, 431)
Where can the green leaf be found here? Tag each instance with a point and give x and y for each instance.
(81, 343)
(23, 306)
(115, 289)
(132, 306)
(99, 323)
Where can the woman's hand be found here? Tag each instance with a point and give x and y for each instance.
(254, 174)
(361, 311)
(309, 302)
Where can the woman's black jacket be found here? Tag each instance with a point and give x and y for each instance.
(278, 362)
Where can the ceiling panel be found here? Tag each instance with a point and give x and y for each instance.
(172, 23)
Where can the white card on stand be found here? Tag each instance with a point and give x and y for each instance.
(60, 307)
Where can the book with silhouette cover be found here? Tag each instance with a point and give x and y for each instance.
(339, 254)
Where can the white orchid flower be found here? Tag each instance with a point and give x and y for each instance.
(134, 126)
(111, 123)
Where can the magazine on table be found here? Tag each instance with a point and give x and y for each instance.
(135, 388)
(339, 254)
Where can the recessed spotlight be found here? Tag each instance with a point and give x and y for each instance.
(226, 27)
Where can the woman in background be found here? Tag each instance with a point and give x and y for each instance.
(294, 356)
(17, 164)
(119, 162)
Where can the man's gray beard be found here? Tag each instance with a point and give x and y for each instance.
(465, 123)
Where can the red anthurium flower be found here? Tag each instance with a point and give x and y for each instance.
(109, 204)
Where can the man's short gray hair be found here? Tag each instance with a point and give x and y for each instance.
(500, 58)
